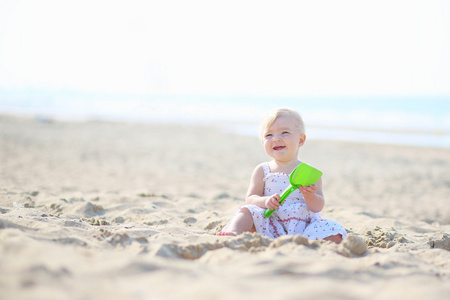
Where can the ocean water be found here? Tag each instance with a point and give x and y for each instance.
(416, 121)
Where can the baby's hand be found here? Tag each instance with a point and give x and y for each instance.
(272, 202)
(308, 190)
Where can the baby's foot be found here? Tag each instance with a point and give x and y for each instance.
(222, 233)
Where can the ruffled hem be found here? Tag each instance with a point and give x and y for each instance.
(312, 226)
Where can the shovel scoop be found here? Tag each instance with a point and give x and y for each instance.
(302, 175)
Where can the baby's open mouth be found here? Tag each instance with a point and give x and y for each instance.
(279, 148)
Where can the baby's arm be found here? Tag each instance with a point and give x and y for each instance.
(255, 193)
(313, 196)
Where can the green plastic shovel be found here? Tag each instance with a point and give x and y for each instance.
(302, 175)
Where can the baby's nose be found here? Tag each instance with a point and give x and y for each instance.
(277, 137)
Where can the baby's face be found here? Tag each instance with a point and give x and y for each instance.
(283, 139)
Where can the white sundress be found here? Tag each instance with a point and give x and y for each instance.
(293, 217)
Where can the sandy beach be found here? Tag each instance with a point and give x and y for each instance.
(103, 210)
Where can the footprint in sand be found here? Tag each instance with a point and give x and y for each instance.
(7, 224)
(120, 239)
(96, 222)
(190, 220)
(70, 241)
(212, 225)
(114, 238)
(91, 210)
(103, 234)
(119, 220)
(221, 196)
(157, 223)
(56, 209)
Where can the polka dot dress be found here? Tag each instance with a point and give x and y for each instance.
(293, 217)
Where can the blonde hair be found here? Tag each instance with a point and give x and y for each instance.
(270, 118)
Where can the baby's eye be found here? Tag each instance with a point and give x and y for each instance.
(285, 132)
(268, 135)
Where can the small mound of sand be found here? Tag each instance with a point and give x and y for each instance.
(380, 238)
(355, 245)
(255, 242)
(296, 239)
(251, 242)
(443, 243)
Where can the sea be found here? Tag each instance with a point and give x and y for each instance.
(414, 121)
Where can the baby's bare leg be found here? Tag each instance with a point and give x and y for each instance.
(334, 238)
(241, 222)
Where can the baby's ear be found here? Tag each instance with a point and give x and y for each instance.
(302, 140)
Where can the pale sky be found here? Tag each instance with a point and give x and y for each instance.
(286, 48)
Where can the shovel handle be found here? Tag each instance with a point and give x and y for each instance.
(283, 197)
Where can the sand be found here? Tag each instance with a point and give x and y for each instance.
(99, 210)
